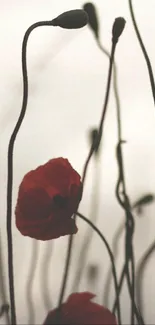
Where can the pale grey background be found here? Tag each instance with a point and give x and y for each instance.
(67, 77)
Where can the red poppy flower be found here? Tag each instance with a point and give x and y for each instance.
(79, 309)
(48, 197)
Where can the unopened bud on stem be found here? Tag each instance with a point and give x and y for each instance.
(95, 140)
(118, 28)
(93, 20)
(71, 19)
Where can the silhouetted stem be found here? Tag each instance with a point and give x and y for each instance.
(109, 273)
(115, 82)
(69, 249)
(148, 62)
(140, 274)
(10, 165)
(100, 129)
(87, 240)
(116, 238)
(125, 204)
(89, 233)
(119, 287)
(111, 259)
(66, 271)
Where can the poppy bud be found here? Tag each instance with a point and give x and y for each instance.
(146, 199)
(93, 271)
(71, 19)
(95, 140)
(93, 21)
(118, 28)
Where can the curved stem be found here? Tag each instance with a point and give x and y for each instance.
(135, 309)
(124, 274)
(118, 233)
(70, 243)
(115, 82)
(127, 208)
(116, 238)
(89, 233)
(10, 165)
(150, 71)
(125, 204)
(129, 227)
(139, 203)
(87, 239)
(129, 258)
(121, 178)
(117, 99)
(119, 286)
(130, 224)
(100, 129)
(140, 274)
(66, 271)
(111, 259)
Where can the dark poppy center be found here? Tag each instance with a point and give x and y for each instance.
(60, 201)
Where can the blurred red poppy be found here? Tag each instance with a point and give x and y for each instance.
(79, 309)
(48, 197)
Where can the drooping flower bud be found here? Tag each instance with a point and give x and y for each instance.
(93, 20)
(71, 19)
(118, 28)
(95, 140)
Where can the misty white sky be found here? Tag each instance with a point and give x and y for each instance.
(67, 78)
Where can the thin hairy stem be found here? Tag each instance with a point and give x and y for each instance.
(148, 62)
(10, 166)
(111, 259)
(140, 274)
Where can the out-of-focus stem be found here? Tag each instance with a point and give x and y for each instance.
(140, 274)
(30, 280)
